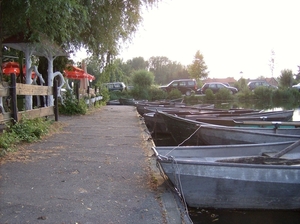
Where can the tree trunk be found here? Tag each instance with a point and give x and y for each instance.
(50, 77)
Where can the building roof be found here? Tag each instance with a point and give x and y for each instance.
(223, 80)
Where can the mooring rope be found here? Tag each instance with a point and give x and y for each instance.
(178, 184)
(184, 140)
(174, 187)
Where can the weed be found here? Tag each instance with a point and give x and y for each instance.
(26, 130)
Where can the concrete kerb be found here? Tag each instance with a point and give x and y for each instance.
(175, 210)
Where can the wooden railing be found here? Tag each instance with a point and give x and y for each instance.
(15, 89)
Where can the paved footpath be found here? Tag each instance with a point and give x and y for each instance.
(99, 169)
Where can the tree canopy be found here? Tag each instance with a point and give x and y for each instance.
(100, 26)
(198, 68)
(286, 78)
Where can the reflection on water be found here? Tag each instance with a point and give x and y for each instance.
(221, 216)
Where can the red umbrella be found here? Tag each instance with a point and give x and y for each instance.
(10, 67)
(91, 77)
(13, 67)
(72, 72)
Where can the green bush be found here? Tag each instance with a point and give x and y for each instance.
(223, 94)
(209, 95)
(289, 95)
(115, 95)
(140, 93)
(174, 94)
(245, 94)
(71, 106)
(263, 93)
(156, 94)
(27, 130)
(193, 99)
(143, 79)
(105, 94)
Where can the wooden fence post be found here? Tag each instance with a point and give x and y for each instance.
(55, 96)
(13, 93)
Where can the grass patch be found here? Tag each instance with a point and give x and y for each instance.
(27, 130)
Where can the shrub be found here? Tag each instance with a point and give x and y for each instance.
(174, 94)
(223, 95)
(140, 93)
(156, 94)
(105, 94)
(71, 105)
(209, 95)
(193, 99)
(115, 95)
(263, 93)
(143, 79)
(27, 130)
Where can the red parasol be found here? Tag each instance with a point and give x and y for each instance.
(91, 77)
(13, 67)
(73, 72)
(10, 67)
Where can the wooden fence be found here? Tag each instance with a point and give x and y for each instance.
(15, 89)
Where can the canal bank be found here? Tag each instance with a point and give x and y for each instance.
(98, 169)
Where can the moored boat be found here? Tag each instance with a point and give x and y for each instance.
(211, 177)
(190, 132)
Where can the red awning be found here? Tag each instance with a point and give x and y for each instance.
(73, 72)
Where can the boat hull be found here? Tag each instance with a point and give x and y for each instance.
(207, 177)
(235, 186)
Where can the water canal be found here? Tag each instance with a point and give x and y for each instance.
(233, 216)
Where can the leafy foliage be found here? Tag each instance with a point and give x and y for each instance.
(174, 94)
(209, 95)
(27, 130)
(100, 26)
(198, 69)
(142, 79)
(263, 93)
(71, 105)
(223, 95)
(156, 94)
(286, 78)
(166, 70)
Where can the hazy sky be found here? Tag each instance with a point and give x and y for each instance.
(232, 35)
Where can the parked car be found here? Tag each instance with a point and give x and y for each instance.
(185, 86)
(296, 86)
(254, 84)
(216, 86)
(115, 86)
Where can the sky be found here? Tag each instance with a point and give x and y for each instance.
(235, 37)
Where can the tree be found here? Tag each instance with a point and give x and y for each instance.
(198, 68)
(157, 67)
(166, 70)
(100, 26)
(142, 79)
(286, 78)
(137, 63)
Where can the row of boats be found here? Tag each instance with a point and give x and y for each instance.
(232, 159)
